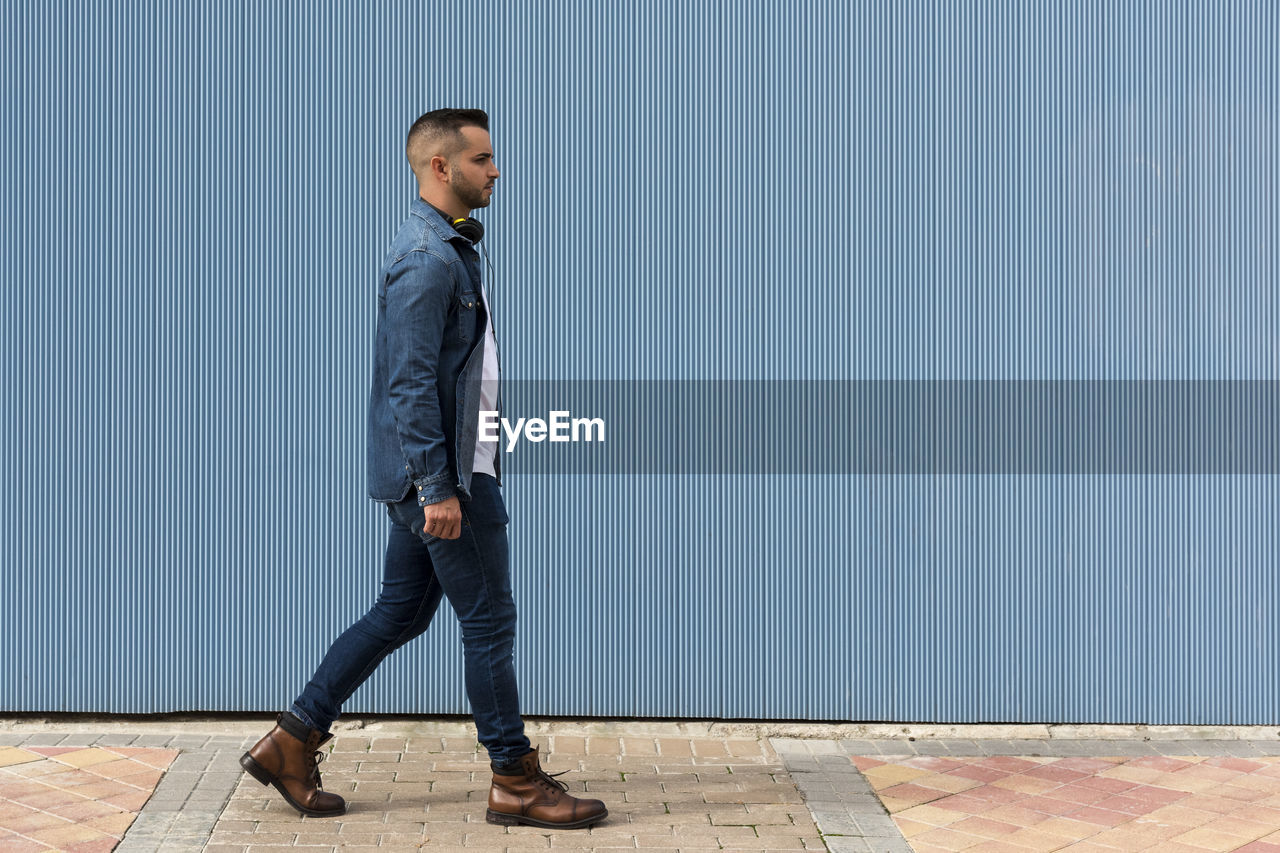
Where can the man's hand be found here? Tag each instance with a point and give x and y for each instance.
(444, 519)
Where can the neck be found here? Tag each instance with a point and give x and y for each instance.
(451, 208)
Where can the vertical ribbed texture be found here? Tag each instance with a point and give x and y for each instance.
(197, 200)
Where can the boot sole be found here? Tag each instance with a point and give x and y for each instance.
(503, 819)
(257, 771)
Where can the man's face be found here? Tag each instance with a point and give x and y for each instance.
(471, 170)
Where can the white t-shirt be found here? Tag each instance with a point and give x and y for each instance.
(487, 450)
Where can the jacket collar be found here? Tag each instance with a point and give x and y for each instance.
(437, 223)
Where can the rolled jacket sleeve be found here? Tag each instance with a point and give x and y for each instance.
(419, 296)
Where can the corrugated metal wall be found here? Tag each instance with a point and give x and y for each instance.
(197, 198)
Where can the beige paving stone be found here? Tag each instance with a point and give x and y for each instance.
(639, 746)
(1066, 827)
(11, 755)
(777, 842)
(744, 748)
(1035, 839)
(709, 749)
(564, 745)
(909, 827)
(66, 835)
(675, 748)
(1181, 815)
(526, 846)
(1132, 836)
(759, 795)
(1243, 827)
(720, 783)
(648, 796)
(1190, 784)
(1022, 784)
(460, 744)
(656, 842)
(931, 815)
(708, 830)
(114, 825)
(87, 757)
(1208, 839)
(891, 774)
(1129, 773)
(603, 747)
(1211, 803)
(945, 839)
(269, 837)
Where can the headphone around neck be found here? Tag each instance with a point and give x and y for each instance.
(472, 229)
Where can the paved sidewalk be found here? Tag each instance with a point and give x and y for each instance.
(422, 784)
(429, 789)
(1040, 794)
(80, 800)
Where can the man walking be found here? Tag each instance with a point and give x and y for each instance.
(435, 368)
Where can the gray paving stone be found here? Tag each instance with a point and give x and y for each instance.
(1014, 747)
(928, 747)
(821, 793)
(824, 747)
(177, 778)
(180, 845)
(1073, 748)
(222, 781)
(878, 826)
(845, 809)
(962, 746)
(846, 844)
(115, 739)
(836, 823)
(866, 804)
(1097, 748)
(199, 802)
(163, 806)
(836, 763)
(191, 762)
(45, 739)
(860, 747)
(1212, 749)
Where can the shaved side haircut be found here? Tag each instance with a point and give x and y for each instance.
(439, 132)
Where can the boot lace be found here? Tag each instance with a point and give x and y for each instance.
(317, 757)
(550, 782)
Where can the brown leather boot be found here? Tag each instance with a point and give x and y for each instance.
(291, 764)
(537, 799)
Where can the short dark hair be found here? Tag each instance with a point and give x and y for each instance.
(444, 127)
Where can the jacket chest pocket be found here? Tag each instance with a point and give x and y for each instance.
(465, 309)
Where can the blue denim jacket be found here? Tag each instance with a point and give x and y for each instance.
(428, 357)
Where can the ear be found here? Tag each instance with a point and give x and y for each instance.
(439, 169)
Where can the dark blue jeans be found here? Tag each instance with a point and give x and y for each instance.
(472, 571)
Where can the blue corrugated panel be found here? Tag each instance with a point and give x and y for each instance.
(197, 198)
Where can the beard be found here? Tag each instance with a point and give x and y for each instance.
(470, 194)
